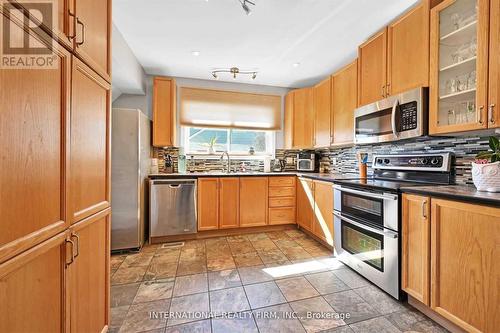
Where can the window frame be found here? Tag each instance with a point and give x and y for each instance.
(270, 144)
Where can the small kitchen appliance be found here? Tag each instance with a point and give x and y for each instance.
(306, 161)
(367, 225)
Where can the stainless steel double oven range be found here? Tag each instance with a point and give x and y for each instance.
(367, 214)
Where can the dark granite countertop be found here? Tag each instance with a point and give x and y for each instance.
(456, 192)
(312, 175)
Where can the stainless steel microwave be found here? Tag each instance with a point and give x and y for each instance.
(401, 116)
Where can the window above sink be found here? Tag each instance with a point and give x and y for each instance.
(214, 141)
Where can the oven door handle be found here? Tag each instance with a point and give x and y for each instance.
(386, 233)
(393, 118)
(384, 196)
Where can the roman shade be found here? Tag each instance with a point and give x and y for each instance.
(228, 109)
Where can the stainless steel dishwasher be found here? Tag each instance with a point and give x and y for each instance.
(172, 207)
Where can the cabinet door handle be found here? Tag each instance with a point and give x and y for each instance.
(77, 243)
(388, 90)
(83, 32)
(480, 114)
(72, 251)
(383, 91)
(424, 209)
(491, 110)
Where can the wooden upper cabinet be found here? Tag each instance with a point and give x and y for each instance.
(288, 122)
(408, 50)
(458, 98)
(303, 118)
(208, 203)
(323, 211)
(34, 283)
(89, 283)
(92, 26)
(344, 102)
(164, 112)
(229, 196)
(305, 203)
(322, 113)
(90, 143)
(253, 201)
(494, 66)
(34, 111)
(415, 261)
(372, 69)
(465, 268)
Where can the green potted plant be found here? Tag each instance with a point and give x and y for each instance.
(211, 145)
(486, 168)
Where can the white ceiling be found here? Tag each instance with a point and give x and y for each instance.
(321, 35)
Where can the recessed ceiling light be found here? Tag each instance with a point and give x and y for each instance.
(297, 64)
(195, 53)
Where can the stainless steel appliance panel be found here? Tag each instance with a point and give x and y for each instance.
(397, 117)
(371, 252)
(172, 207)
(130, 134)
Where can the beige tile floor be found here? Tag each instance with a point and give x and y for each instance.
(281, 281)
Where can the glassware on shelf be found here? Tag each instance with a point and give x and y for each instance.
(451, 85)
(456, 20)
(470, 107)
(451, 117)
(462, 82)
(472, 80)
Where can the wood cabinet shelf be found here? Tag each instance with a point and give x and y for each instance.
(457, 36)
(467, 62)
(459, 95)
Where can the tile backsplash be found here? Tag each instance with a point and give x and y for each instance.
(343, 160)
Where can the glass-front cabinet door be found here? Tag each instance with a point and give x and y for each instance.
(459, 66)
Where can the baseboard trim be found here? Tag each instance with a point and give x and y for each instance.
(222, 233)
(435, 316)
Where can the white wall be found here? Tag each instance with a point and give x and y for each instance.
(128, 75)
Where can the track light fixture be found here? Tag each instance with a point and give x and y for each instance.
(234, 71)
(246, 8)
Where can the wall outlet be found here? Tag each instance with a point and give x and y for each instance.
(334, 161)
(289, 160)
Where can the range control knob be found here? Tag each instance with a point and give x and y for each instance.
(380, 161)
(434, 161)
(425, 161)
(387, 161)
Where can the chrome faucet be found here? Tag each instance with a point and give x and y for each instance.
(228, 161)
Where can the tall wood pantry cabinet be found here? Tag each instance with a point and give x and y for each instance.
(54, 184)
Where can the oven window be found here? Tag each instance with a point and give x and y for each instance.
(374, 124)
(365, 245)
(362, 207)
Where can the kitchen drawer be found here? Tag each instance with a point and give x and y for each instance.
(281, 192)
(282, 202)
(281, 215)
(281, 181)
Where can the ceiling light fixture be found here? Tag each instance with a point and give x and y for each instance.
(234, 71)
(244, 5)
(195, 53)
(297, 64)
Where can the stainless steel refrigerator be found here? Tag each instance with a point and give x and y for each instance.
(130, 160)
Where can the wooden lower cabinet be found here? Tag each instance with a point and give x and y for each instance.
(415, 261)
(323, 211)
(465, 268)
(253, 201)
(32, 288)
(305, 203)
(89, 274)
(208, 204)
(229, 199)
